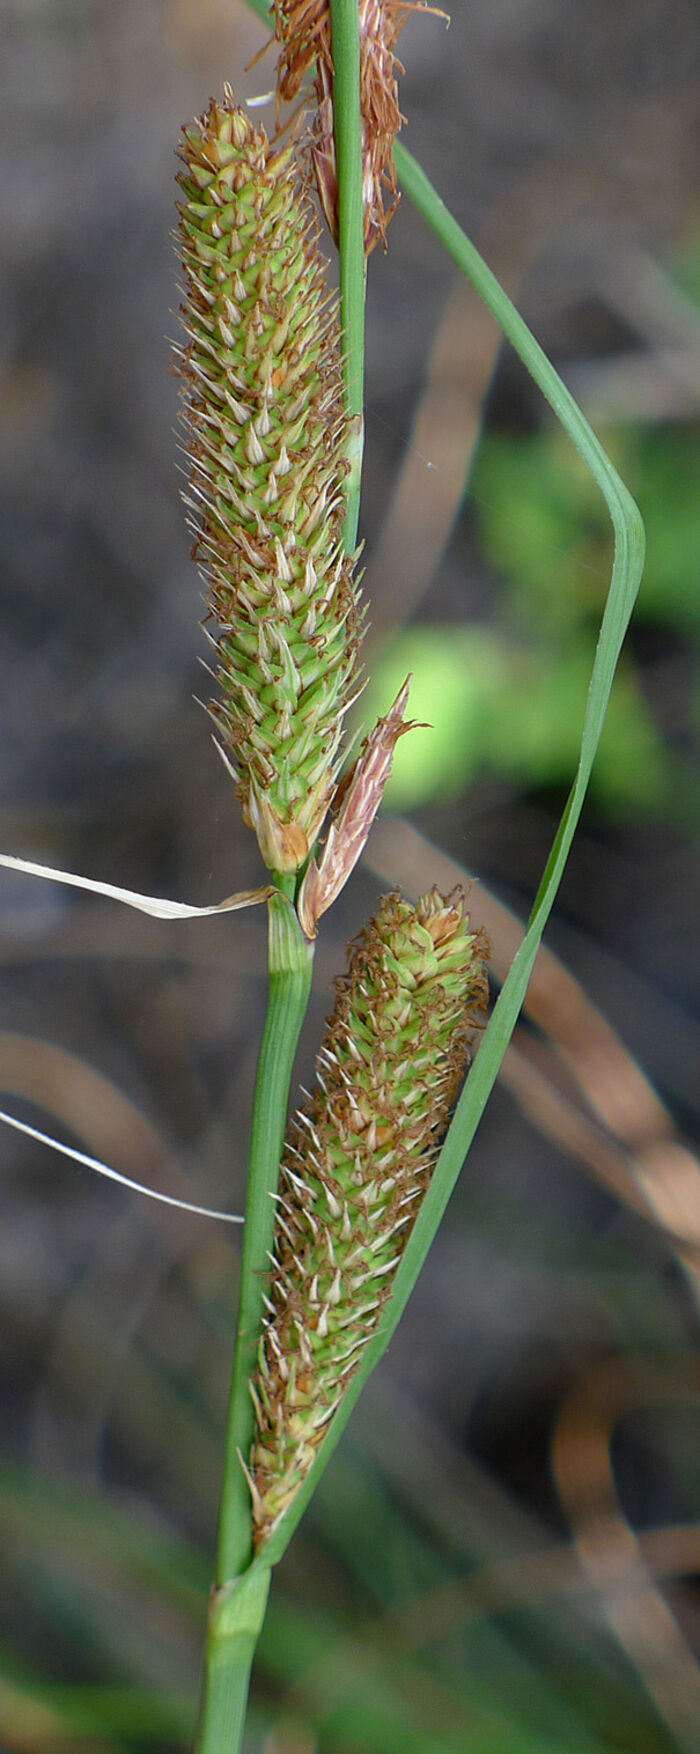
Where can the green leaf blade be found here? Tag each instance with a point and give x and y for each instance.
(624, 584)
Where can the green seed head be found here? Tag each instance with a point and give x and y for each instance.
(268, 442)
(357, 1163)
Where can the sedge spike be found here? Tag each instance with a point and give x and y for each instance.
(357, 1161)
(268, 444)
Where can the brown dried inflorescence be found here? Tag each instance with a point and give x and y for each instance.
(303, 28)
(358, 1161)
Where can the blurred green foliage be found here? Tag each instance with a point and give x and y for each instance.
(507, 699)
(433, 1649)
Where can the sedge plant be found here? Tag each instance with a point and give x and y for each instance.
(342, 1207)
(363, 1180)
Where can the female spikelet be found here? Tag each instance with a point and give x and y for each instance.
(268, 444)
(357, 1163)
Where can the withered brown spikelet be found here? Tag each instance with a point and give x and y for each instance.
(268, 441)
(358, 1159)
(303, 28)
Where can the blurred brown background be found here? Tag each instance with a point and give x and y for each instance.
(502, 1554)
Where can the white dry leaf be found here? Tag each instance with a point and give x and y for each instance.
(155, 905)
(159, 909)
(114, 1174)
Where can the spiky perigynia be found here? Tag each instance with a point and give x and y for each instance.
(303, 27)
(268, 443)
(357, 1162)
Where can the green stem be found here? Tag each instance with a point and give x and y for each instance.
(238, 1605)
(239, 1599)
(236, 1614)
(347, 123)
(290, 963)
(345, 38)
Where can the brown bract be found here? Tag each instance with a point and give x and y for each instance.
(354, 808)
(303, 28)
